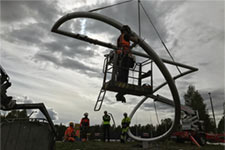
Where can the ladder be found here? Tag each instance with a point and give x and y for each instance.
(100, 99)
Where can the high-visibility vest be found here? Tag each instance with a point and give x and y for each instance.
(124, 45)
(125, 122)
(106, 119)
(69, 134)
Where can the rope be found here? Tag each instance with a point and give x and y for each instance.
(109, 6)
(159, 35)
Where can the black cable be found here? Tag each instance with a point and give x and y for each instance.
(109, 6)
(139, 18)
(158, 35)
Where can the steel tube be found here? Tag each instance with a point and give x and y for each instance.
(151, 54)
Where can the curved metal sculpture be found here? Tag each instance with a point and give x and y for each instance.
(149, 54)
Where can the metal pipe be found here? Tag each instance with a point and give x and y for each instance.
(149, 51)
(212, 108)
(114, 123)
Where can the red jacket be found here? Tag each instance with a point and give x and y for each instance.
(84, 122)
(69, 134)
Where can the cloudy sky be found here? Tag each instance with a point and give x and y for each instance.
(65, 74)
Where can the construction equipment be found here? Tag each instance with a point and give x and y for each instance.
(136, 88)
(191, 128)
(20, 135)
(139, 83)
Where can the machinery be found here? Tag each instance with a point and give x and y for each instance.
(148, 57)
(191, 128)
(24, 133)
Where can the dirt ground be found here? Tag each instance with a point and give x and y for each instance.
(167, 145)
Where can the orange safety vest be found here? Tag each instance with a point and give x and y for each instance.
(69, 134)
(124, 45)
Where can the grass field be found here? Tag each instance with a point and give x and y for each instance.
(168, 145)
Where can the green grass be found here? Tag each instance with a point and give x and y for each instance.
(167, 145)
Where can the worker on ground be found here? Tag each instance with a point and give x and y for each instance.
(69, 135)
(84, 126)
(106, 126)
(125, 58)
(125, 126)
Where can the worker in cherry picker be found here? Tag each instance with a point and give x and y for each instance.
(84, 127)
(125, 58)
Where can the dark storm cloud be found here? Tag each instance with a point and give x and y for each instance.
(30, 35)
(46, 13)
(157, 11)
(27, 22)
(68, 63)
(37, 34)
(41, 11)
(12, 12)
(69, 47)
(127, 14)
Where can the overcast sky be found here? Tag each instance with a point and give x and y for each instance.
(65, 74)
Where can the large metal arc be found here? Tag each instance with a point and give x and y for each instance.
(151, 55)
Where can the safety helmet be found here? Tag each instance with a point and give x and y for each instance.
(71, 123)
(105, 112)
(125, 28)
(86, 114)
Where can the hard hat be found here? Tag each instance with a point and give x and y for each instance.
(125, 28)
(71, 123)
(86, 114)
(105, 111)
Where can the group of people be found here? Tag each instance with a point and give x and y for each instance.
(71, 134)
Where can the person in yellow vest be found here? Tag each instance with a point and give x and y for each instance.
(69, 135)
(106, 126)
(125, 126)
(125, 58)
